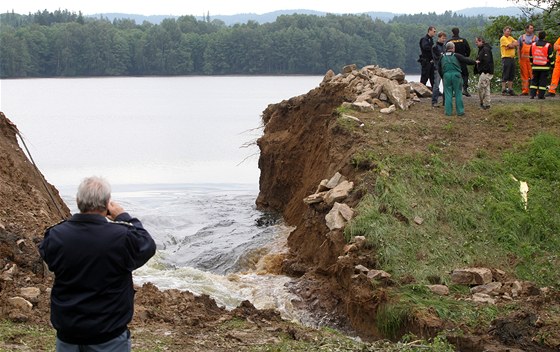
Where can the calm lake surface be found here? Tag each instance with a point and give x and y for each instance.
(180, 153)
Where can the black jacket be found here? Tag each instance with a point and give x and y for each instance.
(92, 258)
(426, 44)
(486, 64)
(437, 52)
(461, 46)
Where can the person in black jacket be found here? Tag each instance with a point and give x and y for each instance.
(437, 53)
(485, 68)
(92, 255)
(462, 47)
(426, 60)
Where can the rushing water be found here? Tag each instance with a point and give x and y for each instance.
(181, 156)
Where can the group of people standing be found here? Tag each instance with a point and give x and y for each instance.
(447, 60)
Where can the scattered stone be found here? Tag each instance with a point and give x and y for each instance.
(353, 118)
(491, 288)
(418, 220)
(2, 227)
(322, 186)
(362, 106)
(483, 298)
(421, 89)
(8, 274)
(349, 68)
(471, 276)
(340, 192)
(396, 74)
(338, 216)
(20, 303)
(359, 241)
(349, 248)
(361, 269)
(499, 275)
(396, 93)
(379, 103)
(328, 76)
(315, 198)
(391, 109)
(334, 181)
(441, 290)
(365, 96)
(378, 274)
(30, 293)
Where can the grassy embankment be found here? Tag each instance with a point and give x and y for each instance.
(473, 216)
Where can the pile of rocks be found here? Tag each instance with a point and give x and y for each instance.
(488, 285)
(376, 86)
(331, 192)
(21, 303)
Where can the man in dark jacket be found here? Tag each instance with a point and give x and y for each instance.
(462, 47)
(437, 53)
(450, 70)
(426, 59)
(542, 59)
(92, 256)
(485, 68)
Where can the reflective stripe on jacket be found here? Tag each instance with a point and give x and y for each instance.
(540, 54)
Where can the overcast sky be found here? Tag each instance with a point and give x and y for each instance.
(230, 7)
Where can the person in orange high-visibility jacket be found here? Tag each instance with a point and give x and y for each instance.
(542, 58)
(525, 41)
(556, 72)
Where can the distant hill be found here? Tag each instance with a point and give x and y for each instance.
(271, 16)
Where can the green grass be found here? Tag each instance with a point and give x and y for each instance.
(473, 215)
(25, 337)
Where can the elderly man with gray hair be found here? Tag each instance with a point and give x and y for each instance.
(450, 69)
(92, 255)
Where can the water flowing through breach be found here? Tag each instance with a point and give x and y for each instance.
(211, 240)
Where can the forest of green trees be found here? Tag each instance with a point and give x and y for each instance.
(65, 44)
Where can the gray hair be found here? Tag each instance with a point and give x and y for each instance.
(449, 46)
(93, 194)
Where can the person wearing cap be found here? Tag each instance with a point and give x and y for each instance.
(542, 58)
(450, 69)
(92, 255)
(556, 73)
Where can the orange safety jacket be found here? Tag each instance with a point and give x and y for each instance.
(540, 54)
(526, 48)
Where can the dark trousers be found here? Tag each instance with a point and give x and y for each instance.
(538, 83)
(427, 73)
(465, 75)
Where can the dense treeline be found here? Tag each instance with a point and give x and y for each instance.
(61, 43)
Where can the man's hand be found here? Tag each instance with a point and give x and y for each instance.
(113, 210)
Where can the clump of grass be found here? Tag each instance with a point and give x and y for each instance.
(472, 214)
(365, 160)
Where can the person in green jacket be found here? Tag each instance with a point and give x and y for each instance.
(450, 69)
